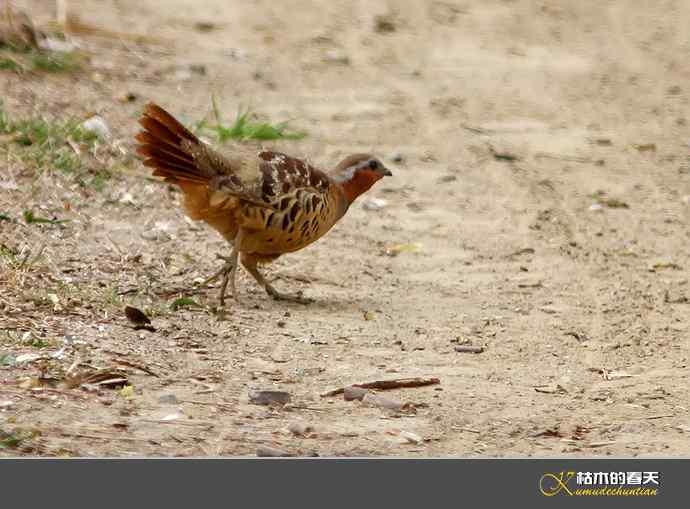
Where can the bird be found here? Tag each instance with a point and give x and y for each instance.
(264, 204)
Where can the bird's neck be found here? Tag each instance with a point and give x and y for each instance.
(354, 184)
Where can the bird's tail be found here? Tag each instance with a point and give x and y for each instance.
(169, 147)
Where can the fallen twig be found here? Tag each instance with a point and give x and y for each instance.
(385, 385)
(136, 366)
(560, 157)
(469, 349)
(207, 403)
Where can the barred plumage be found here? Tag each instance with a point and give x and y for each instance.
(265, 204)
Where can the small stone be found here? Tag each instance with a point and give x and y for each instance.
(271, 452)
(300, 429)
(199, 69)
(204, 26)
(396, 157)
(128, 97)
(379, 401)
(97, 125)
(336, 57)
(596, 207)
(374, 204)
(354, 393)
(168, 399)
(384, 24)
(410, 437)
(269, 397)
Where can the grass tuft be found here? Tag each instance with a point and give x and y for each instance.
(40, 61)
(183, 302)
(30, 218)
(53, 61)
(44, 143)
(246, 127)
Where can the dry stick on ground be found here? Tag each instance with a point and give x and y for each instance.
(227, 406)
(385, 385)
(136, 366)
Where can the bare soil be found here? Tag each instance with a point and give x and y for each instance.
(539, 208)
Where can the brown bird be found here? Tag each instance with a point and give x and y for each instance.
(264, 204)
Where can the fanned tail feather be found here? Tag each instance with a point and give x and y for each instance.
(162, 144)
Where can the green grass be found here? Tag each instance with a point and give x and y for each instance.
(30, 218)
(246, 127)
(42, 142)
(13, 439)
(96, 181)
(40, 61)
(183, 302)
(53, 61)
(9, 64)
(8, 253)
(9, 440)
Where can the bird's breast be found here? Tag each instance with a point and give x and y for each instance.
(297, 220)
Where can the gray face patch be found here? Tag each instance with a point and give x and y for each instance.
(346, 175)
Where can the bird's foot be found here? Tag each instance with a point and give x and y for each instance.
(297, 298)
(228, 272)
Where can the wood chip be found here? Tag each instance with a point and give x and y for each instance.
(469, 349)
(551, 389)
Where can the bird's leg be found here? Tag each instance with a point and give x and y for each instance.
(249, 262)
(228, 271)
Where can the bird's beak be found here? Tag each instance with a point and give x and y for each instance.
(387, 172)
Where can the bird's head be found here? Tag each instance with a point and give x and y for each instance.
(357, 173)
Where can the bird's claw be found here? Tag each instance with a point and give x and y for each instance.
(297, 298)
(228, 273)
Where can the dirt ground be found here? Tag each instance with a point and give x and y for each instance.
(539, 208)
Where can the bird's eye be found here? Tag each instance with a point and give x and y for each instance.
(374, 164)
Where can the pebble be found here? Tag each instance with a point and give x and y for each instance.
(413, 438)
(374, 204)
(354, 393)
(97, 125)
(168, 399)
(269, 397)
(380, 401)
(336, 57)
(271, 452)
(300, 429)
